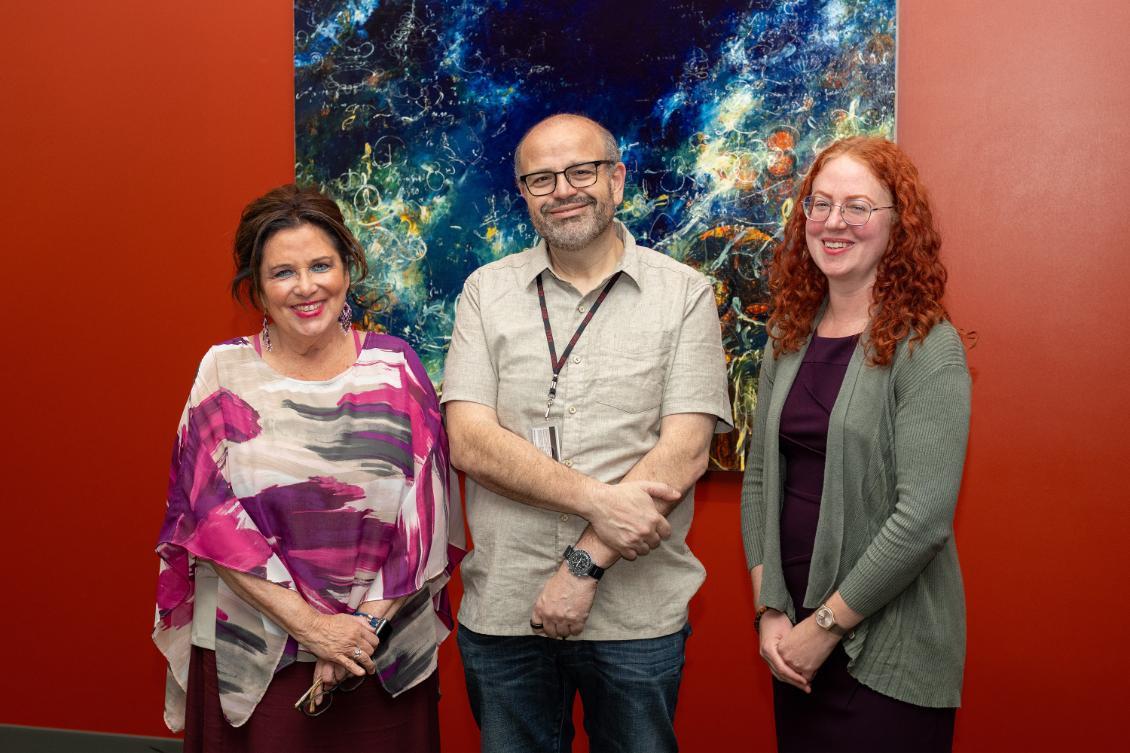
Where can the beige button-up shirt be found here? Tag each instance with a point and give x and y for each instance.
(652, 349)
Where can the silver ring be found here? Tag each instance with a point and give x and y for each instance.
(356, 653)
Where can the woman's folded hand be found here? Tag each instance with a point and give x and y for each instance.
(806, 647)
(343, 639)
(775, 627)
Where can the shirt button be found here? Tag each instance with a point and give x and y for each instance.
(564, 518)
(576, 359)
(581, 309)
(568, 463)
(572, 409)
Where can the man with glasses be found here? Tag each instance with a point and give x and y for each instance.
(584, 381)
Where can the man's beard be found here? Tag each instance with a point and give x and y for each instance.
(573, 233)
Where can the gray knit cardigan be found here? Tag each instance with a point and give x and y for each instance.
(884, 540)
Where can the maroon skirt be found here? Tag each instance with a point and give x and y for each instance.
(367, 718)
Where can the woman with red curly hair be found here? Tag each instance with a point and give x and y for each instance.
(855, 463)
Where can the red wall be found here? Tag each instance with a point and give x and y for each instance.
(134, 131)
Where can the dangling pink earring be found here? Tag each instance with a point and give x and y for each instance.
(266, 334)
(345, 319)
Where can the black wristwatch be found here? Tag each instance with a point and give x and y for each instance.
(580, 563)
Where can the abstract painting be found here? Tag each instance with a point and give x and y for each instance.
(408, 111)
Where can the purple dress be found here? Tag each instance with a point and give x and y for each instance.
(841, 714)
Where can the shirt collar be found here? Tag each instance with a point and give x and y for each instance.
(629, 262)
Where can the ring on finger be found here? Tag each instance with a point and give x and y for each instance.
(356, 653)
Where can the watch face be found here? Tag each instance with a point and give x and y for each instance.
(824, 617)
(579, 562)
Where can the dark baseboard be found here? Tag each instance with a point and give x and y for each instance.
(19, 739)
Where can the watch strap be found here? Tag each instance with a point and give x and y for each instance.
(381, 626)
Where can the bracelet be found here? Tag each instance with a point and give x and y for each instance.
(757, 619)
(380, 625)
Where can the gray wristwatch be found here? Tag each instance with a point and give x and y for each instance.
(826, 618)
(580, 563)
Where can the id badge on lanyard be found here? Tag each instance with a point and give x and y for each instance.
(548, 438)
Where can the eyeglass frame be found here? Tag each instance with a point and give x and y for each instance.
(595, 162)
(812, 197)
(354, 682)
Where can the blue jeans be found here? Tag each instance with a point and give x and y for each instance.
(522, 688)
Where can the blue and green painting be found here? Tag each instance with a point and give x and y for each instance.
(408, 111)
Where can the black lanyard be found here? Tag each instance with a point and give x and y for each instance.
(556, 363)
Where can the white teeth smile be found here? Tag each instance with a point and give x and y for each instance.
(307, 306)
(836, 244)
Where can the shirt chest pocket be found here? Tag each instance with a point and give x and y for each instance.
(633, 371)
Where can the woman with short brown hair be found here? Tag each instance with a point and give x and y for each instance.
(305, 545)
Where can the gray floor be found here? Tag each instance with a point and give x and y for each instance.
(16, 739)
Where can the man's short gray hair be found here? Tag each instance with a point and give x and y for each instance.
(611, 145)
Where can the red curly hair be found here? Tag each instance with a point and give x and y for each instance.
(910, 279)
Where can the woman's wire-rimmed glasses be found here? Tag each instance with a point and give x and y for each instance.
(854, 212)
(306, 704)
(580, 175)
